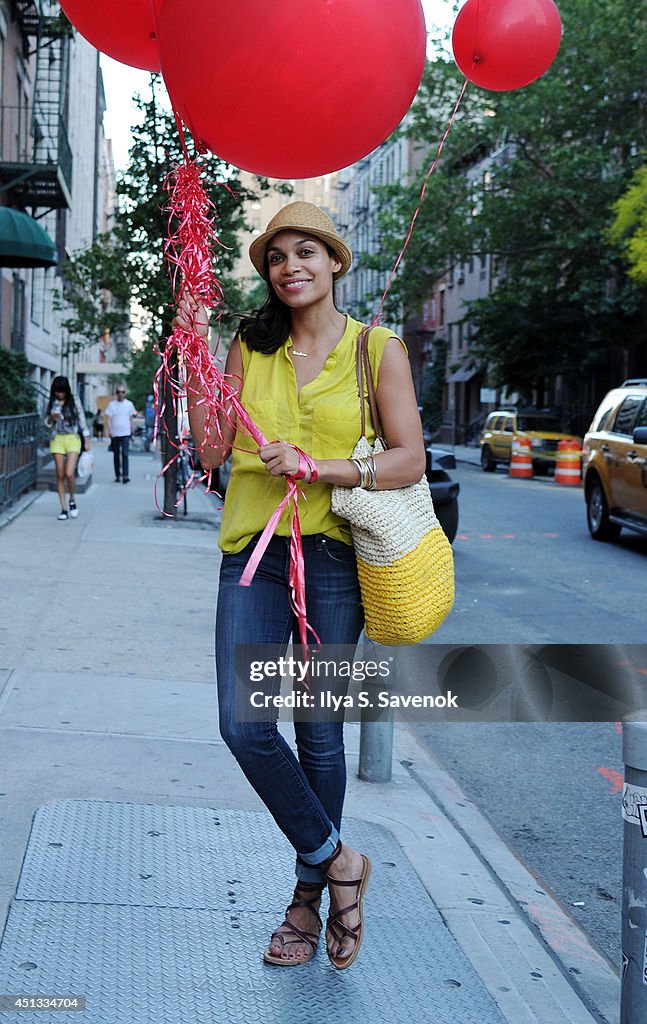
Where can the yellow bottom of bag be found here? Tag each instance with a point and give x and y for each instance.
(406, 601)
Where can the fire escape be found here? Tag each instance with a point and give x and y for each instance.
(35, 155)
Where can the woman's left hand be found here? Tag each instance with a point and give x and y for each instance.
(280, 458)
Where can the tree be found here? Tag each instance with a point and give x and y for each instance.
(143, 365)
(142, 228)
(560, 154)
(629, 229)
(96, 293)
(16, 396)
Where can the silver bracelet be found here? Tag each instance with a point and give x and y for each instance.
(360, 469)
(372, 474)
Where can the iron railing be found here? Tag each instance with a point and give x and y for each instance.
(18, 457)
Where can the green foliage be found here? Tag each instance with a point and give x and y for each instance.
(561, 153)
(96, 292)
(433, 386)
(143, 365)
(629, 229)
(126, 266)
(143, 222)
(16, 396)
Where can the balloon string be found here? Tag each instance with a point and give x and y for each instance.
(376, 319)
(178, 119)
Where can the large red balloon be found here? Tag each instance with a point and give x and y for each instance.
(292, 89)
(506, 44)
(124, 29)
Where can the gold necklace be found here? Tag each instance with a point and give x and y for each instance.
(304, 355)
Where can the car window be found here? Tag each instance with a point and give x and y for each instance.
(603, 419)
(626, 415)
(539, 423)
(507, 424)
(492, 422)
(641, 418)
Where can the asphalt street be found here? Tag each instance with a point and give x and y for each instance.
(552, 790)
(528, 572)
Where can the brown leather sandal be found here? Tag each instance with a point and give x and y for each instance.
(334, 924)
(311, 938)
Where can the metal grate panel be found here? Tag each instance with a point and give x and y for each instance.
(188, 947)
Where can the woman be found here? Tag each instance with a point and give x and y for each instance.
(294, 361)
(65, 415)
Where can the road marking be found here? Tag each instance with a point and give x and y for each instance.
(613, 776)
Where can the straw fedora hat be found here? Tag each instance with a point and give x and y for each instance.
(312, 221)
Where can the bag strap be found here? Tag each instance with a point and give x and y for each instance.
(365, 374)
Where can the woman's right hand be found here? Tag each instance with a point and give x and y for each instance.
(54, 416)
(192, 315)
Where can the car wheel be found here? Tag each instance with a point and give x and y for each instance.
(488, 464)
(447, 515)
(597, 513)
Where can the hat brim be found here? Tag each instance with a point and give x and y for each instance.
(258, 248)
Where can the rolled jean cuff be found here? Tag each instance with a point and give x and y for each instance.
(324, 851)
(307, 874)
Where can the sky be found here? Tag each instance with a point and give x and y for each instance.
(122, 82)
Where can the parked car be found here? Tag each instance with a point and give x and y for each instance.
(615, 463)
(444, 490)
(542, 428)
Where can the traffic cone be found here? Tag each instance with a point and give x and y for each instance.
(568, 464)
(520, 458)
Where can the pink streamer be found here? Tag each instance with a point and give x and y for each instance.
(190, 250)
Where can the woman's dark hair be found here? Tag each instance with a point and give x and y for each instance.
(69, 408)
(268, 328)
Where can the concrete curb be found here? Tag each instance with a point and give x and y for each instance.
(541, 967)
(19, 506)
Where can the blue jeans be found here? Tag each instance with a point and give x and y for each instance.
(120, 449)
(304, 794)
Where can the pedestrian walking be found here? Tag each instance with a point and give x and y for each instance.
(120, 413)
(97, 425)
(294, 361)
(70, 435)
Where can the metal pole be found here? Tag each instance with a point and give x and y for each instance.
(376, 750)
(376, 731)
(633, 1005)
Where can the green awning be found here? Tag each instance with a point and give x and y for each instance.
(23, 242)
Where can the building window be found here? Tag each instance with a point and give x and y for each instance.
(441, 318)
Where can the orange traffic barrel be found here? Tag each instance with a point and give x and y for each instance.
(520, 458)
(568, 464)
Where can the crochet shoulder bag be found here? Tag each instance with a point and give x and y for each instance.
(404, 560)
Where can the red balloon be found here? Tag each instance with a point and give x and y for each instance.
(295, 89)
(506, 44)
(124, 29)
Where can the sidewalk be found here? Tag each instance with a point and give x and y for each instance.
(467, 453)
(129, 868)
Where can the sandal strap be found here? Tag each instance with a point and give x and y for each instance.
(339, 930)
(311, 938)
(324, 865)
(305, 903)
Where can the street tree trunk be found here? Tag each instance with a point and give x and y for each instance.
(169, 437)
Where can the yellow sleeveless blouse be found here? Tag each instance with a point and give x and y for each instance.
(323, 419)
